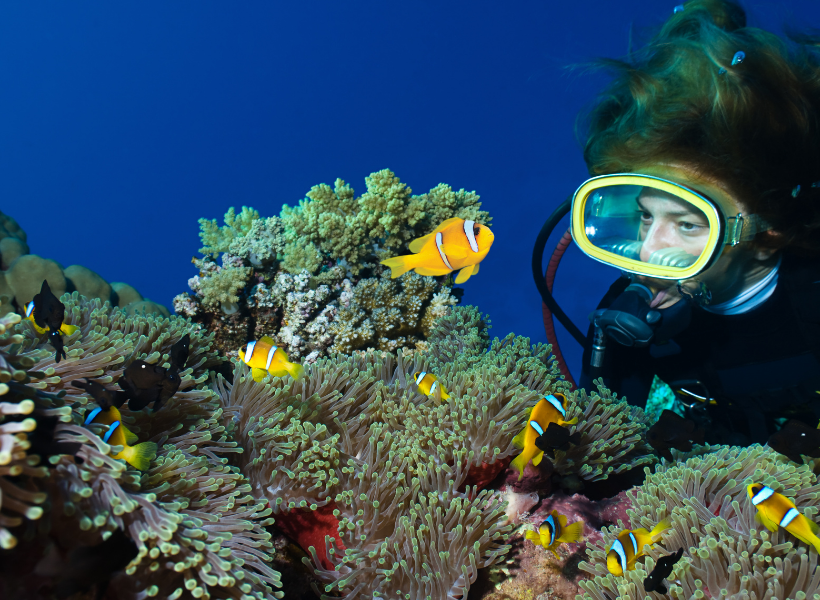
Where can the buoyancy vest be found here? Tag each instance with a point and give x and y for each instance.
(758, 366)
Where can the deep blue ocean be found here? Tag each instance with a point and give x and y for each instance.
(123, 123)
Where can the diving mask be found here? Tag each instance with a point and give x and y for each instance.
(654, 227)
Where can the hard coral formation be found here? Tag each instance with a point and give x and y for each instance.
(199, 531)
(310, 278)
(23, 273)
(727, 553)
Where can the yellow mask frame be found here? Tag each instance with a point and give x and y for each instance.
(722, 230)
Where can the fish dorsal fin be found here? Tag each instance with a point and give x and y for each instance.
(417, 244)
(265, 339)
(562, 520)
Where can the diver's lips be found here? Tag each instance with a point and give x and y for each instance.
(662, 295)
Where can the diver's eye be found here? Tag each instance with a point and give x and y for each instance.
(476, 230)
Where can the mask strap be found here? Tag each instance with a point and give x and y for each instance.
(744, 229)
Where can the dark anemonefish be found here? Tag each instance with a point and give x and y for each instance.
(140, 455)
(454, 245)
(552, 408)
(554, 531)
(775, 510)
(628, 547)
(429, 383)
(264, 356)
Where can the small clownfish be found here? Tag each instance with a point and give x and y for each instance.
(552, 408)
(455, 245)
(628, 547)
(47, 314)
(775, 510)
(428, 383)
(140, 456)
(554, 531)
(264, 357)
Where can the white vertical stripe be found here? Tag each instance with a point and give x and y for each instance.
(441, 252)
(762, 495)
(249, 351)
(537, 426)
(788, 517)
(271, 352)
(433, 388)
(420, 377)
(618, 547)
(468, 231)
(29, 308)
(557, 404)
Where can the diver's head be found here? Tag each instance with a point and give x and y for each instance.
(733, 113)
(678, 228)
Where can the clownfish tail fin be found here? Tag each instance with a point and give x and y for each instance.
(296, 370)
(141, 455)
(656, 532)
(572, 533)
(399, 265)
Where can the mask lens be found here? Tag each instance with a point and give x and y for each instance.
(647, 225)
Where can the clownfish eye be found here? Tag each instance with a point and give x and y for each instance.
(416, 374)
(756, 488)
(476, 230)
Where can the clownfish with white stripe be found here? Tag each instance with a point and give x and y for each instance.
(264, 356)
(455, 245)
(429, 383)
(628, 547)
(552, 408)
(140, 455)
(554, 531)
(775, 510)
(47, 314)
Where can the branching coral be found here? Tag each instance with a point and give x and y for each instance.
(728, 553)
(310, 279)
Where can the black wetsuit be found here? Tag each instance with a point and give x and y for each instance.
(759, 366)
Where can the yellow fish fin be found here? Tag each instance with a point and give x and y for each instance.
(813, 527)
(518, 441)
(534, 537)
(432, 271)
(68, 329)
(417, 244)
(268, 340)
(296, 370)
(552, 549)
(399, 265)
(37, 328)
(258, 374)
(572, 421)
(519, 462)
(658, 529)
(130, 436)
(572, 533)
(454, 251)
(765, 521)
(562, 519)
(141, 455)
(465, 274)
(475, 269)
(536, 460)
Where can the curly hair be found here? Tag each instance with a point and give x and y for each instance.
(738, 104)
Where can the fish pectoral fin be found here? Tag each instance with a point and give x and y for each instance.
(533, 536)
(417, 244)
(536, 460)
(572, 534)
(465, 274)
(765, 521)
(454, 251)
(68, 329)
(258, 374)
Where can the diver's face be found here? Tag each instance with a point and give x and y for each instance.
(668, 224)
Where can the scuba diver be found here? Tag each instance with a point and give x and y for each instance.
(704, 153)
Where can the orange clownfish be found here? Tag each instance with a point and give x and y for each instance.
(455, 244)
(775, 510)
(264, 357)
(429, 383)
(139, 456)
(554, 531)
(552, 408)
(628, 547)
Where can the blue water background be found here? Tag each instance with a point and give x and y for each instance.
(122, 123)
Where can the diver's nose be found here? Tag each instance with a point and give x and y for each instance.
(656, 238)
